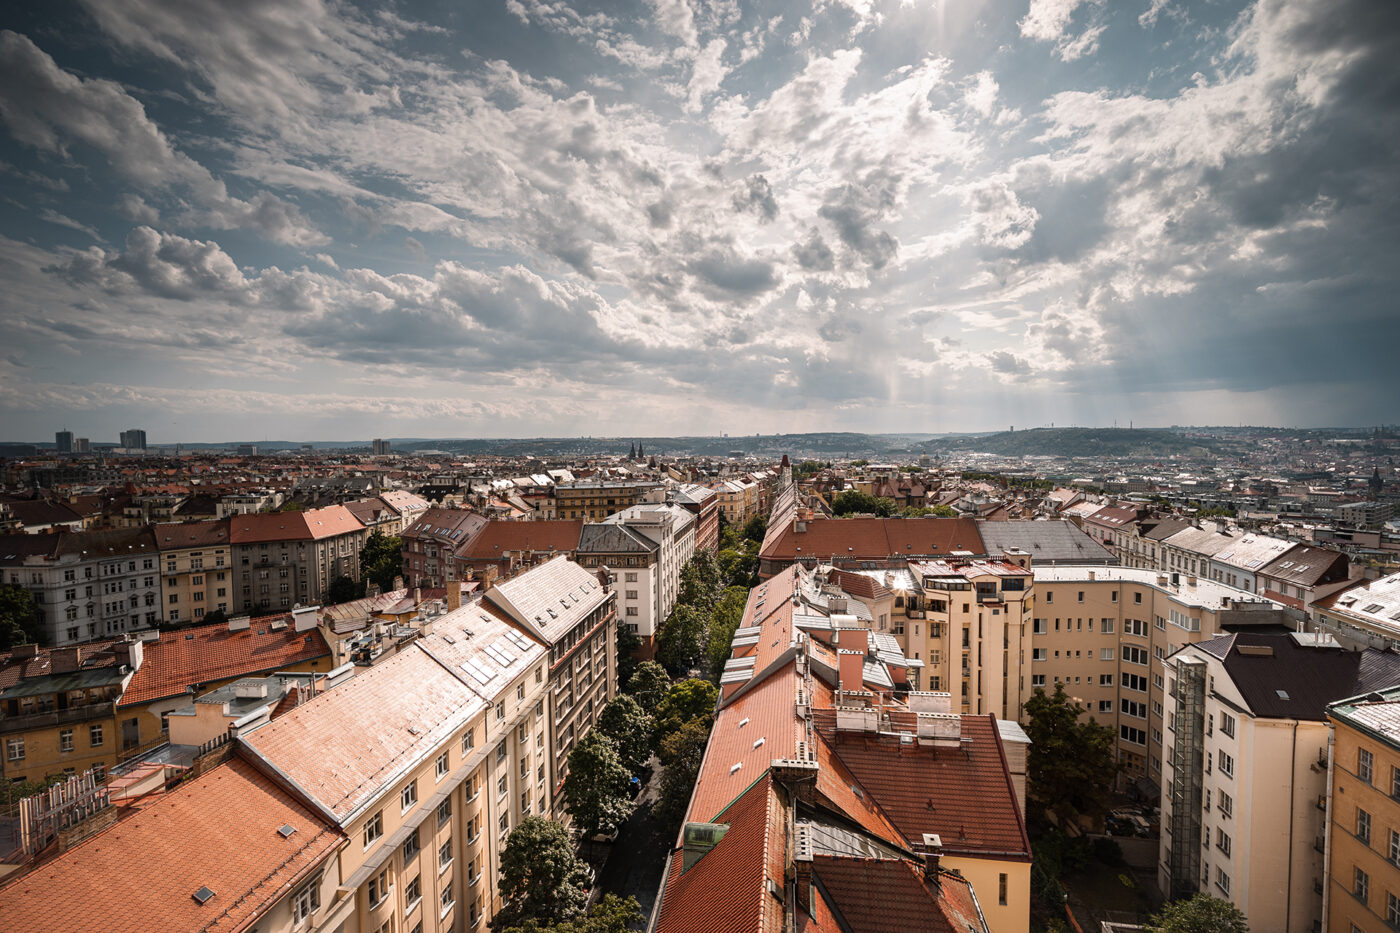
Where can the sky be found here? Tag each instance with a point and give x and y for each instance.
(302, 220)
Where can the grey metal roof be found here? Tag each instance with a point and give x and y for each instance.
(1057, 542)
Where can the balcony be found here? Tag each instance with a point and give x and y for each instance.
(58, 717)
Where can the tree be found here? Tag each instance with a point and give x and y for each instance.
(755, 528)
(685, 701)
(1071, 764)
(684, 636)
(700, 583)
(943, 511)
(738, 566)
(1199, 914)
(21, 620)
(629, 726)
(596, 785)
(724, 621)
(381, 559)
(211, 618)
(541, 876)
(649, 685)
(611, 914)
(681, 752)
(849, 501)
(343, 590)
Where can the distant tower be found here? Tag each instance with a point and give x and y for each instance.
(1375, 483)
(785, 469)
(380, 446)
(63, 441)
(632, 452)
(134, 439)
(641, 452)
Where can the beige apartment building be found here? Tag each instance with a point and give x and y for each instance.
(1362, 881)
(425, 762)
(284, 558)
(196, 564)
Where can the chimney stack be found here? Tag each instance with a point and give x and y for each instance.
(454, 595)
(65, 660)
(933, 855)
(802, 867)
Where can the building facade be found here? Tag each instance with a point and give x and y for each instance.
(283, 559)
(196, 568)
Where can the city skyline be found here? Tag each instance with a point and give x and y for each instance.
(673, 218)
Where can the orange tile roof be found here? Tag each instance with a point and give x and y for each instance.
(965, 795)
(733, 874)
(206, 653)
(873, 895)
(347, 747)
(501, 536)
(219, 831)
(874, 538)
(307, 525)
(173, 535)
(767, 712)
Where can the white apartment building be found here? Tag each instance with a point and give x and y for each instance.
(1245, 756)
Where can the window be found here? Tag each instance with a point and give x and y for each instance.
(1038, 627)
(1037, 654)
(1222, 841)
(1363, 825)
(1105, 654)
(501, 710)
(65, 740)
(1222, 880)
(14, 749)
(1395, 782)
(410, 847)
(1037, 680)
(468, 740)
(1365, 764)
(378, 888)
(1105, 706)
(409, 795)
(374, 829)
(1392, 910)
(413, 893)
(444, 811)
(501, 786)
(447, 901)
(445, 854)
(1227, 764)
(1001, 889)
(442, 763)
(306, 901)
(1105, 680)
(1108, 626)
(1394, 854)
(1227, 804)
(1227, 724)
(1361, 885)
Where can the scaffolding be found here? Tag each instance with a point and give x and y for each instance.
(1188, 767)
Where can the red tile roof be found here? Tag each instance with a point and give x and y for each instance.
(963, 794)
(501, 536)
(874, 538)
(308, 525)
(725, 892)
(766, 712)
(206, 653)
(219, 831)
(892, 896)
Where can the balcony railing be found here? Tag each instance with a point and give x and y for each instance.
(57, 717)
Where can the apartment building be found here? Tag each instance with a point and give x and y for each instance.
(1364, 616)
(564, 607)
(1244, 793)
(389, 513)
(282, 559)
(404, 760)
(196, 568)
(505, 548)
(593, 501)
(431, 543)
(645, 547)
(701, 502)
(273, 868)
(1362, 893)
(1103, 632)
(89, 585)
(58, 707)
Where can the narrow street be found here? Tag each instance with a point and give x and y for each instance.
(636, 860)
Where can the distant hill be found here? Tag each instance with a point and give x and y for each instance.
(1083, 442)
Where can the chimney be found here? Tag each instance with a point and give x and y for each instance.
(129, 652)
(372, 589)
(933, 855)
(398, 582)
(65, 660)
(454, 595)
(417, 596)
(605, 578)
(25, 651)
(802, 866)
(851, 674)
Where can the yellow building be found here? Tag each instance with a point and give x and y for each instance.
(58, 708)
(196, 569)
(595, 501)
(1362, 893)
